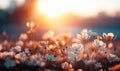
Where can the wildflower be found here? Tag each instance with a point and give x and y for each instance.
(50, 47)
(31, 25)
(66, 65)
(23, 36)
(9, 63)
(22, 54)
(27, 50)
(75, 40)
(30, 44)
(98, 44)
(50, 34)
(59, 58)
(92, 55)
(17, 48)
(110, 45)
(20, 43)
(66, 36)
(99, 37)
(43, 43)
(5, 43)
(76, 47)
(50, 57)
(85, 34)
(74, 56)
(109, 37)
(11, 54)
(64, 51)
(60, 43)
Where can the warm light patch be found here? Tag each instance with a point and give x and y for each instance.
(56, 13)
(53, 8)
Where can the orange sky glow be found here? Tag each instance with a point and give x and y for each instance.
(53, 8)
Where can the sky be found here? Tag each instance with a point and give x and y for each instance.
(84, 7)
(53, 8)
(57, 7)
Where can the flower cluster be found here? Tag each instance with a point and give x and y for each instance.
(60, 52)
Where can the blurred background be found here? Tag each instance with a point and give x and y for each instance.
(60, 15)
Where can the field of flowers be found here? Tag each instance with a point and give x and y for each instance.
(86, 51)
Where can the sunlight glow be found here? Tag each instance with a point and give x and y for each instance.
(54, 8)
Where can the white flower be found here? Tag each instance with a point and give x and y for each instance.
(85, 34)
(76, 40)
(66, 65)
(50, 47)
(50, 57)
(11, 54)
(109, 36)
(17, 56)
(20, 43)
(76, 48)
(98, 44)
(43, 43)
(31, 25)
(22, 54)
(73, 56)
(17, 48)
(35, 60)
(5, 54)
(23, 36)
(9, 63)
(50, 34)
